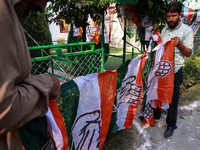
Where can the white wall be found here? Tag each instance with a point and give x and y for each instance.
(116, 35)
(55, 32)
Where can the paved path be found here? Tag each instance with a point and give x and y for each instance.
(186, 137)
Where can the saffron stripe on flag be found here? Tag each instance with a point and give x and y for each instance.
(60, 122)
(133, 108)
(166, 83)
(96, 98)
(107, 85)
(159, 89)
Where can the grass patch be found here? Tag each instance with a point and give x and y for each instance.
(113, 63)
(190, 95)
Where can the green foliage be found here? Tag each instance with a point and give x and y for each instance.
(36, 26)
(155, 10)
(191, 72)
(77, 11)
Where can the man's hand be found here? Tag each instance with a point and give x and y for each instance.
(183, 49)
(176, 40)
(55, 89)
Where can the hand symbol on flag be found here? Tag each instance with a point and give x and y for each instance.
(92, 29)
(86, 131)
(195, 26)
(163, 69)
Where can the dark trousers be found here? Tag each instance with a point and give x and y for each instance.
(173, 107)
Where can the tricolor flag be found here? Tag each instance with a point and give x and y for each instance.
(188, 14)
(77, 31)
(56, 126)
(129, 94)
(155, 39)
(191, 17)
(92, 31)
(88, 103)
(134, 18)
(145, 27)
(159, 82)
(109, 17)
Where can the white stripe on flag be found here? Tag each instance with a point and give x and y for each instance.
(148, 33)
(125, 94)
(89, 29)
(154, 38)
(75, 30)
(54, 130)
(152, 79)
(86, 128)
(185, 15)
(195, 24)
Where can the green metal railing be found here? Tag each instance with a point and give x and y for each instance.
(65, 63)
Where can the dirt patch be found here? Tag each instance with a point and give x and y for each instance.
(122, 140)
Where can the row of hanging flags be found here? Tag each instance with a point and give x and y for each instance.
(190, 17)
(93, 29)
(101, 103)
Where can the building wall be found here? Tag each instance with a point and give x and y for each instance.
(116, 34)
(55, 32)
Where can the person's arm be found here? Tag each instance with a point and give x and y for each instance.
(25, 101)
(22, 97)
(186, 45)
(183, 49)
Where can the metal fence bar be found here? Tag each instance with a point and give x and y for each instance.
(68, 65)
(61, 45)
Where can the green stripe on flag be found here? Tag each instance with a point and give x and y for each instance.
(121, 73)
(194, 17)
(70, 97)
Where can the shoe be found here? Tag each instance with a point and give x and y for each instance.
(169, 132)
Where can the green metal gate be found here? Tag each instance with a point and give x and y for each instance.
(62, 62)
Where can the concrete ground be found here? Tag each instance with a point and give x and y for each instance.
(186, 136)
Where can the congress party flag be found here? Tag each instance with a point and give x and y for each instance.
(130, 93)
(191, 17)
(159, 82)
(155, 39)
(88, 102)
(188, 14)
(56, 126)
